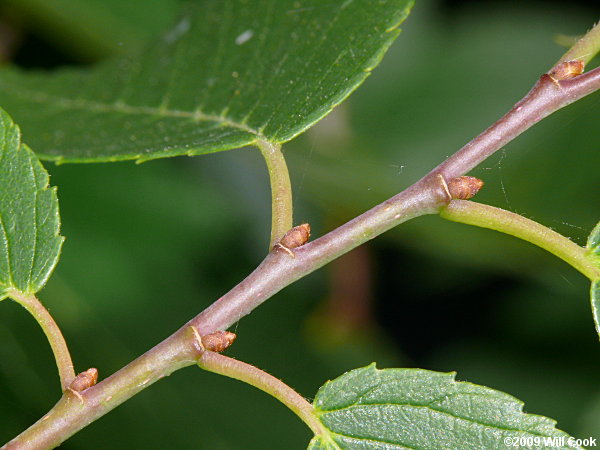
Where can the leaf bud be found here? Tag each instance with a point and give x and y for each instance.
(567, 69)
(218, 341)
(464, 188)
(296, 237)
(84, 380)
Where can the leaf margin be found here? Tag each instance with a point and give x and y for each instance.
(11, 144)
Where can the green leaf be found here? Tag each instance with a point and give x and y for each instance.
(593, 242)
(412, 408)
(595, 298)
(593, 246)
(29, 222)
(229, 73)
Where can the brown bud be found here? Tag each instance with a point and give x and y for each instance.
(567, 69)
(84, 380)
(464, 188)
(296, 237)
(218, 341)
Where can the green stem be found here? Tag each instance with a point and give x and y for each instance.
(223, 365)
(510, 223)
(52, 332)
(585, 48)
(281, 190)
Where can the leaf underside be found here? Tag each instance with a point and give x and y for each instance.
(229, 73)
(29, 222)
(593, 246)
(368, 408)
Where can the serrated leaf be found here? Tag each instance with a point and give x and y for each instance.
(593, 242)
(368, 408)
(229, 73)
(29, 222)
(595, 298)
(593, 246)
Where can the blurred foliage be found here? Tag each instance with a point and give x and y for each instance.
(90, 29)
(149, 246)
(225, 75)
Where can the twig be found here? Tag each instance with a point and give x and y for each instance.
(279, 269)
(546, 97)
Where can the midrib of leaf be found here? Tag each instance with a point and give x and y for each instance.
(35, 224)
(121, 107)
(2, 227)
(7, 246)
(441, 412)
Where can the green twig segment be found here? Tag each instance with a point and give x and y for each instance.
(223, 365)
(52, 332)
(584, 49)
(281, 190)
(486, 216)
(278, 270)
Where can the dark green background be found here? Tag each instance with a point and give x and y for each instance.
(149, 246)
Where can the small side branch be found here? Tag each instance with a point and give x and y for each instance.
(281, 190)
(53, 333)
(486, 216)
(223, 365)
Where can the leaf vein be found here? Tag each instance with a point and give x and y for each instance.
(381, 441)
(120, 107)
(308, 64)
(35, 223)
(7, 245)
(446, 413)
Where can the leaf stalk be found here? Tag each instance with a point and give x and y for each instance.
(585, 49)
(50, 328)
(498, 219)
(239, 370)
(281, 190)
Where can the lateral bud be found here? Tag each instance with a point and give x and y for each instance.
(218, 341)
(464, 188)
(294, 238)
(566, 70)
(84, 380)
